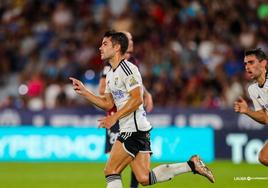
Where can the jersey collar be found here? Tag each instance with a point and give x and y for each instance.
(266, 76)
(118, 65)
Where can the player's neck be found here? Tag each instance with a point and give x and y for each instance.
(114, 62)
(261, 80)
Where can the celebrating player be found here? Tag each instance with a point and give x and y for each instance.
(124, 88)
(113, 132)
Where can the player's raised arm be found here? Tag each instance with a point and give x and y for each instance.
(105, 102)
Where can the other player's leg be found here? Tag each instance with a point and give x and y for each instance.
(198, 167)
(141, 167)
(263, 155)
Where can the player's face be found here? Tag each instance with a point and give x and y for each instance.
(253, 66)
(107, 49)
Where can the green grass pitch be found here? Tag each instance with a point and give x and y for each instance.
(90, 175)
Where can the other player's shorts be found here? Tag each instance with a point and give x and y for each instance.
(111, 137)
(135, 142)
(112, 133)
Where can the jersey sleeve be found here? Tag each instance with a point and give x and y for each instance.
(133, 80)
(252, 95)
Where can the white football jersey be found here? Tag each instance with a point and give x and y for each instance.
(119, 83)
(259, 95)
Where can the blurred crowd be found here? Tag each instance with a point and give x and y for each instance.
(190, 52)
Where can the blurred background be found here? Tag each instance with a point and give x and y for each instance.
(190, 55)
(190, 51)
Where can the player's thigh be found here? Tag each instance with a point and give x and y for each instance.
(118, 159)
(141, 166)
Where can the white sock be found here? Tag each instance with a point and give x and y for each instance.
(114, 181)
(168, 171)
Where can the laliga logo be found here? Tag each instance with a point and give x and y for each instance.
(242, 178)
(249, 178)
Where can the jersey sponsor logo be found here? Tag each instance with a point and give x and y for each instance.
(132, 82)
(264, 106)
(118, 94)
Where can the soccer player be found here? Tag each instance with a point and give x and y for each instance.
(124, 89)
(255, 62)
(113, 132)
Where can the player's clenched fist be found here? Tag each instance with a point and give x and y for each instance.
(78, 86)
(240, 105)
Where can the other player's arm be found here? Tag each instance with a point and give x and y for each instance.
(132, 104)
(148, 100)
(105, 102)
(260, 116)
(102, 85)
(102, 81)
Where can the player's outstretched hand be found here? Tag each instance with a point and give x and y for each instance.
(240, 105)
(78, 86)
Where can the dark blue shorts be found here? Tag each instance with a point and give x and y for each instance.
(111, 137)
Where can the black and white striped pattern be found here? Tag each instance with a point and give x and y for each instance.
(113, 177)
(125, 135)
(125, 68)
(152, 178)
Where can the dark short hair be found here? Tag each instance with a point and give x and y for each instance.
(258, 52)
(118, 38)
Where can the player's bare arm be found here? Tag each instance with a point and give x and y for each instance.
(105, 102)
(241, 106)
(133, 103)
(259, 116)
